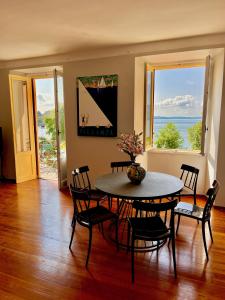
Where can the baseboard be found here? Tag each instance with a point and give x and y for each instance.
(7, 180)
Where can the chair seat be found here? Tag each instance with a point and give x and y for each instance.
(152, 228)
(95, 215)
(187, 209)
(186, 192)
(97, 195)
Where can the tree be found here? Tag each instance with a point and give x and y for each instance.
(194, 136)
(50, 125)
(169, 137)
(49, 120)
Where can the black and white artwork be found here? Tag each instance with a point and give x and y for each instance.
(97, 105)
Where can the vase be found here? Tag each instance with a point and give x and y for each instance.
(136, 173)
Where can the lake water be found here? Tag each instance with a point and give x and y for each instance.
(181, 123)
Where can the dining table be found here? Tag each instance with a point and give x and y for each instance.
(155, 186)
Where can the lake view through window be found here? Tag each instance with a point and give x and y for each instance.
(177, 106)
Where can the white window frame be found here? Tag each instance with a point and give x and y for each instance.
(148, 144)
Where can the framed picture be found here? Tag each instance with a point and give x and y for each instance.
(97, 105)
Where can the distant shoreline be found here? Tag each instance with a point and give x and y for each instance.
(174, 117)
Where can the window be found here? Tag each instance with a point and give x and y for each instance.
(175, 106)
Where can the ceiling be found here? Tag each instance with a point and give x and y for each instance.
(41, 28)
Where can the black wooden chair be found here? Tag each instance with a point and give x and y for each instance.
(88, 216)
(80, 180)
(152, 227)
(202, 214)
(189, 176)
(120, 166)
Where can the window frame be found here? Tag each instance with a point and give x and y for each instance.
(152, 68)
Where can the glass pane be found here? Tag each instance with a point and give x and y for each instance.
(21, 117)
(46, 128)
(178, 103)
(61, 118)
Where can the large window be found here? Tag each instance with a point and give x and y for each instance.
(175, 106)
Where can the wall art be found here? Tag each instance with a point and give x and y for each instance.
(97, 105)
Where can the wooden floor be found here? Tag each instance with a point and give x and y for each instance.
(35, 261)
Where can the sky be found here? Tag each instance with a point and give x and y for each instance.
(179, 92)
(45, 93)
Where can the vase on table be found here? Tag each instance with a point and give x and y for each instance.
(136, 173)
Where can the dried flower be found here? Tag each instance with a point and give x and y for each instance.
(131, 144)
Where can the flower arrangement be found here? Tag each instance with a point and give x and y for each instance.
(131, 144)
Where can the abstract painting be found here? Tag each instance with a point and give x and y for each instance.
(97, 105)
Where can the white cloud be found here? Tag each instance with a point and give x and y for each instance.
(45, 102)
(177, 101)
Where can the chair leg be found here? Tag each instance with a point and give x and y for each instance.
(73, 230)
(174, 256)
(178, 223)
(157, 247)
(195, 199)
(117, 227)
(204, 240)
(132, 258)
(210, 230)
(73, 220)
(110, 202)
(89, 245)
(128, 236)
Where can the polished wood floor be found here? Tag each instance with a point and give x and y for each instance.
(35, 261)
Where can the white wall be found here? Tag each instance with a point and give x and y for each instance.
(139, 84)
(220, 174)
(212, 122)
(170, 162)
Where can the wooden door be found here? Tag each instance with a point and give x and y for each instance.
(23, 128)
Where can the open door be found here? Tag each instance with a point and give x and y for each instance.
(60, 129)
(23, 128)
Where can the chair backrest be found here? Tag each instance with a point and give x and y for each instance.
(211, 196)
(80, 178)
(155, 209)
(189, 176)
(81, 200)
(120, 166)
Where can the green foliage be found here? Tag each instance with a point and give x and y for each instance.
(49, 121)
(194, 136)
(169, 137)
(50, 124)
(47, 150)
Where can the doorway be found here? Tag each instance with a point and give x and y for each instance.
(44, 94)
(45, 128)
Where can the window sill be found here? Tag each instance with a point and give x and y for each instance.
(174, 151)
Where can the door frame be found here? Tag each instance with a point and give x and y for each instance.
(32, 151)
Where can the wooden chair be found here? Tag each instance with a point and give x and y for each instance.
(88, 216)
(202, 214)
(189, 176)
(80, 180)
(152, 227)
(120, 166)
